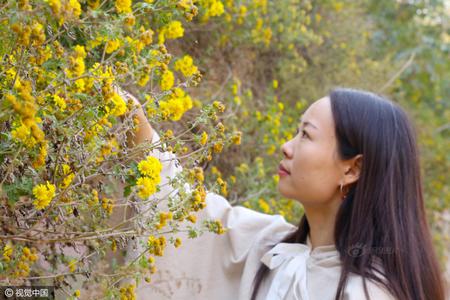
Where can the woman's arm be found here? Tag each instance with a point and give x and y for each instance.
(144, 131)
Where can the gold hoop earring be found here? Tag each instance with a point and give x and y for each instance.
(345, 195)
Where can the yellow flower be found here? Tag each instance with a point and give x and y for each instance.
(318, 18)
(151, 167)
(183, 97)
(147, 37)
(107, 205)
(77, 65)
(120, 106)
(123, 6)
(219, 106)
(37, 33)
(60, 102)
(192, 218)
(168, 134)
(130, 20)
(172, 108)
(276, 178)
(156, 245)
(22, 269)
(167, 80)
(26, 251)
(198, 198)
(338, 6)
(172, 30)
(223, 186)
(271, 150)
(218, 147)
(68, 176)
(185, 65)
(112, 46)
(178, 103)
(40, 159)
(177, 242)
(216, 9)
(212, 8)
(93, 4)
(163, 217)
(216, 227)
(44, 194)
(94, 200)
(72, 265)
(264, 206)
(198, 173)
(21, 133)
(128, 292)
(80, 51)
(147, 186)
(75, 6)
(143, 79)
(55, 5)
(236, 139)
(204, 138)
(267, 36)
(275, 84)
(7, 252)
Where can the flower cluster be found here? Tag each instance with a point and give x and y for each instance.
(150, 169)
(215, 226)
(156, 245)
(173, 30)
(44, 193)
(175, 105)
(186, 66)
(28, 258)
(163, 218)
(198, 198)
(128, 292)
(65, 115)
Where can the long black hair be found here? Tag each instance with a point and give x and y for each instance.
(384, 209)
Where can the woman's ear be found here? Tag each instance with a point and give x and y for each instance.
(353, 169)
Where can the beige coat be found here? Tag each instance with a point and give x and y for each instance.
(222, 267)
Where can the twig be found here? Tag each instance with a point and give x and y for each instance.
(399, 72)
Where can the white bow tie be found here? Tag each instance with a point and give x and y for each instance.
(293, 274)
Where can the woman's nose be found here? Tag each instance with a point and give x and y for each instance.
(286, 151)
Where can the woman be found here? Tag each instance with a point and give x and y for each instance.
(354, 166)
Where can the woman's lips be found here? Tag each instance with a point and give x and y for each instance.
(282, 171)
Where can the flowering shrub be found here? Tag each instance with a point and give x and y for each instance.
(67, 130)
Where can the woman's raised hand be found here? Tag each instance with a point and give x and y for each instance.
(144, 131)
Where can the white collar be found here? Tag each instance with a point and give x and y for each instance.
(294, 256)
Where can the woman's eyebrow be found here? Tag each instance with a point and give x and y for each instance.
(307, 123)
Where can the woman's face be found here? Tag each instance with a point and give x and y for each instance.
(314, 170)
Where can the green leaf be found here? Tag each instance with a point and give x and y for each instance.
(14, 190)
(127, 191)
(143, 262)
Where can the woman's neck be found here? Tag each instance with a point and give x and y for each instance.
(321, 226)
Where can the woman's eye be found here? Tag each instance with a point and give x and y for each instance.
(304, 134)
